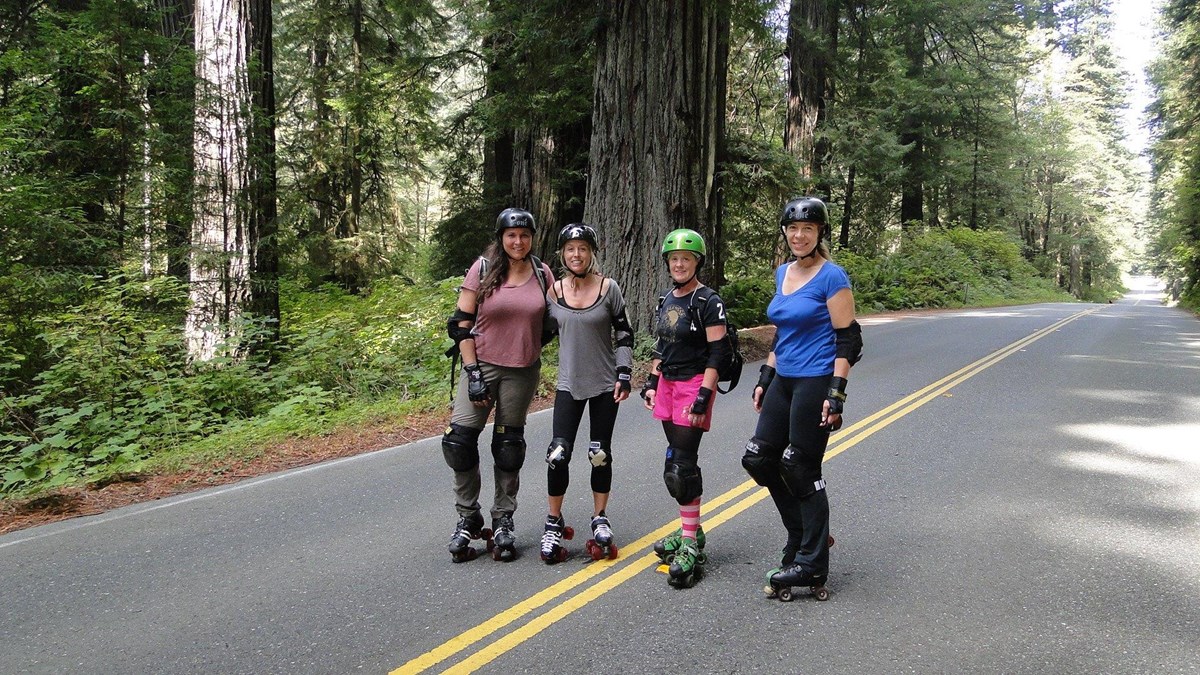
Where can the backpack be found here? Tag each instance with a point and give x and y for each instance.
(730, 368)
(548, 329)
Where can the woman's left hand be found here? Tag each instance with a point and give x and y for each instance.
(832, 421)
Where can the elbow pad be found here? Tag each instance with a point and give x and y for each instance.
(849, 342)
(624, 332)
(718, 353)
(455, 331)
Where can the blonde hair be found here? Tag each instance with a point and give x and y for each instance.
(593, 265)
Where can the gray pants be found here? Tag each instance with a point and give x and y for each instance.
(511, 390)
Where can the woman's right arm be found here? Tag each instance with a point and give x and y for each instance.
(467, 305)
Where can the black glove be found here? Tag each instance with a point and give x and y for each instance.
(651, 384)
(765, 375)
(700, 405)
(624, 378)
(836, 395)
(476, 388)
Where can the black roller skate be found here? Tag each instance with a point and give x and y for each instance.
(505, 542)
(780, 583)
(687, 565)
(556, 531)
(666, 547)
(601, 544)
(469, 527)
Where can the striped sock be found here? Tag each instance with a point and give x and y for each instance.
(689, 519)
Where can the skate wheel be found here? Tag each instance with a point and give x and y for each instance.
(568, 532)
(769, 591)
(467, 555)
(485, 533)
(830, 541)
(612, 552)
(821, 593)
(785, 594)
(594, 550)
(491, 545)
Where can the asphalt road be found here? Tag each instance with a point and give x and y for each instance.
(1016, 490)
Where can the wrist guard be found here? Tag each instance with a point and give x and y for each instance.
(703, 397)
(836, 395)
(651, 384)
(765, 375)
(625, 378)
(476, 388)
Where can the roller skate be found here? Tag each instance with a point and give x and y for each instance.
(505, 542)
(687, 565)
(667, 546)
(601, 544)
(469, 527)
(556, 531)
(780, 583)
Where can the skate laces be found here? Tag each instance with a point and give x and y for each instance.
(552, 537)
(685, 555)
(504, 524)
(463, 528)
(601, 529)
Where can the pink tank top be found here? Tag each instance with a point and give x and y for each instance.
(508, 324)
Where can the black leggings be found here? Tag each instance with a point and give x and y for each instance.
(790, 423)
(568, 413)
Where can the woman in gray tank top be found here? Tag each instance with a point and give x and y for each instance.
(595, 358)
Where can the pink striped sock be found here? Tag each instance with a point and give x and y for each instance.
(689, 518)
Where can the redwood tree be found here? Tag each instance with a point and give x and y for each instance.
(234, 260)
(657, 133)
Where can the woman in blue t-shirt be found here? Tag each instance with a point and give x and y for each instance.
(800, 393)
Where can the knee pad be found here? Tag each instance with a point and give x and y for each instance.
(558, 453)
(760, 461)
(508, 447)
(801, 471)
(600, 457)
(599, 454)
(682, 476)
(460, 447)
(558, 456)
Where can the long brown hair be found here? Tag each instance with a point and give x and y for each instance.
(496, 270)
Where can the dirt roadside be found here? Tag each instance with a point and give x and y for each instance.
(73, 502)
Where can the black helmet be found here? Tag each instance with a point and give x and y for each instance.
(807, 209)
(578, 231)
(510, 218)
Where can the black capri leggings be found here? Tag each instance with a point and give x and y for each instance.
(602, 416)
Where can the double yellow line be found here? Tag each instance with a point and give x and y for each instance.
(635, 557)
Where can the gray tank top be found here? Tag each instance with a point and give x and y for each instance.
(587, 360)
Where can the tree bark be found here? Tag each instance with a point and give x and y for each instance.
(657, 120)
(912, 192)
(233, 259)
(811, 41)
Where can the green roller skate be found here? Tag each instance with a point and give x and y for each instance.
(666, 547)
(687, 565)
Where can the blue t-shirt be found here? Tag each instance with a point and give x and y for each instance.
(805, 344)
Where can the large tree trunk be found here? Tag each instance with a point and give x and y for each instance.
(656, 125)
(541, 158)
(176, 23)
(912, 192)
(811, 41)
(233, 262)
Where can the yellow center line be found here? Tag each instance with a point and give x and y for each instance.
(630, 565)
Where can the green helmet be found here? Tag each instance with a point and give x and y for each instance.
(684, 240)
